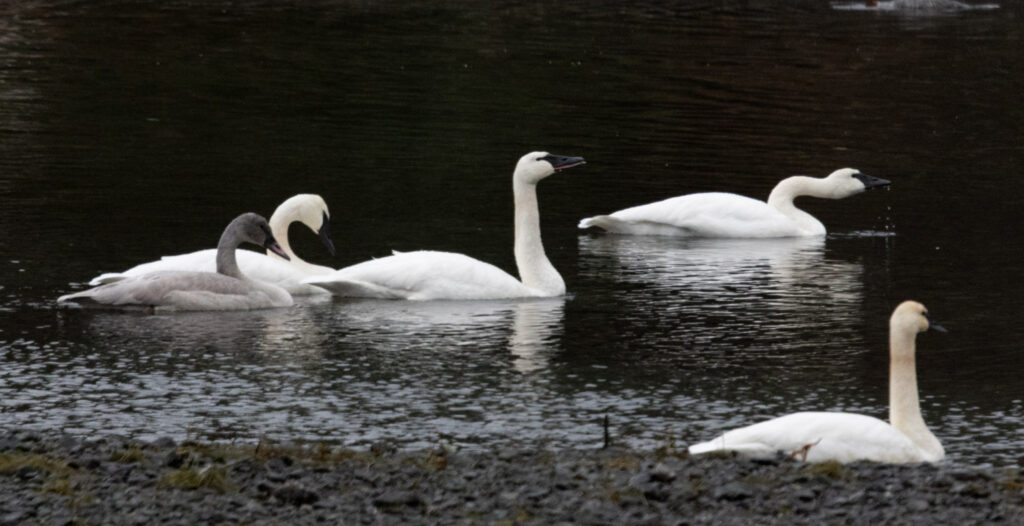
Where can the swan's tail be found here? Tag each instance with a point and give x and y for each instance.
(751, 449)
(596, 221)
(109, 277)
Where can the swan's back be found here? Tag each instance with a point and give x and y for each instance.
(261, 267)
(423, 275)
(178, 290)
(710, 214)
(819, 437)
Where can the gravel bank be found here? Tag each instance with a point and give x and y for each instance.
(58, 479)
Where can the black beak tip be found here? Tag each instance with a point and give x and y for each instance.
(325, 234)
(936, 327)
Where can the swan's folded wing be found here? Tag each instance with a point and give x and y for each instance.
(712, 214)
(183, 290)
(422, 275)
(198, 261)
(818, 437)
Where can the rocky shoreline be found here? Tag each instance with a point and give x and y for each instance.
(52, 478)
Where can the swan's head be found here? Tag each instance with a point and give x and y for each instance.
(310, 210)
(535, 166)
(252, 228)
(911, 317)
(849, 181)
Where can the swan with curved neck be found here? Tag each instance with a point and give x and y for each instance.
(718, 214)
(430, 275)
(286, 272)
(847, 437)
(226, 289)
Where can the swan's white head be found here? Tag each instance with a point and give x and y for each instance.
(535, 166)
(849, 181)
(910, 317)
(310, 210)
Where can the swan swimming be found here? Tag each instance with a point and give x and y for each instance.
(718, 214)
(308, 209)
(226, 289)
(430, 275)
(847, 437)
(911, 5)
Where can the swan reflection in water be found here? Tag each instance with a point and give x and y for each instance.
(529, 327)
(758, 290)
(275, 335)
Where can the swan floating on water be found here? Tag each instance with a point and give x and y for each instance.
(308, 209)
(226, 289)
(911, 5)
(431, 275)
(718, 214)
(847, 437)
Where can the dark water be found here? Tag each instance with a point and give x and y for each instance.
(129, 130)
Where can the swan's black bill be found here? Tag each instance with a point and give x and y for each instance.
(932, 326)
(325, 234)
(271, 245)
(561, 162)
(871, 181)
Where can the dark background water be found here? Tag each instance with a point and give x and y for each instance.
(130, 130)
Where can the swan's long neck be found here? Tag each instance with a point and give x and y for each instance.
(226, 262)
(279, 223)
(535, 270)
(790, 188)
(904, 405)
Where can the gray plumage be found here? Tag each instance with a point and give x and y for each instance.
(227, 289)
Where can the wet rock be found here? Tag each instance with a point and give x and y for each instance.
(14, 518)
(26, 473)
(733, 491)
(295, 494)
(165, 443)
(175, 459)
(397, 498)
(661, 473)
(917, 505)
(383, 447)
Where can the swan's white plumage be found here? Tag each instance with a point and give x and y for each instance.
(847, 437)
(424, 275)
(308, 209)
(430, 275)
(820, 436)
(719, 214)
(712, 214)
(226, 289)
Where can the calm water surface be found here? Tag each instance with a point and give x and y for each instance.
(130, 130)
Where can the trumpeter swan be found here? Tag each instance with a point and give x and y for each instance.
(717, 214)
(430, 275)
(226, 289)
(846, 437)
(308, 209)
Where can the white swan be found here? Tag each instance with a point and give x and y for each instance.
(910, 5)
(717, 214)
(429, 275)
(308, 209)
(846, 437)
(226, 289)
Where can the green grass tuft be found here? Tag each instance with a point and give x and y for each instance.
(11, 463)
(213, 477)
